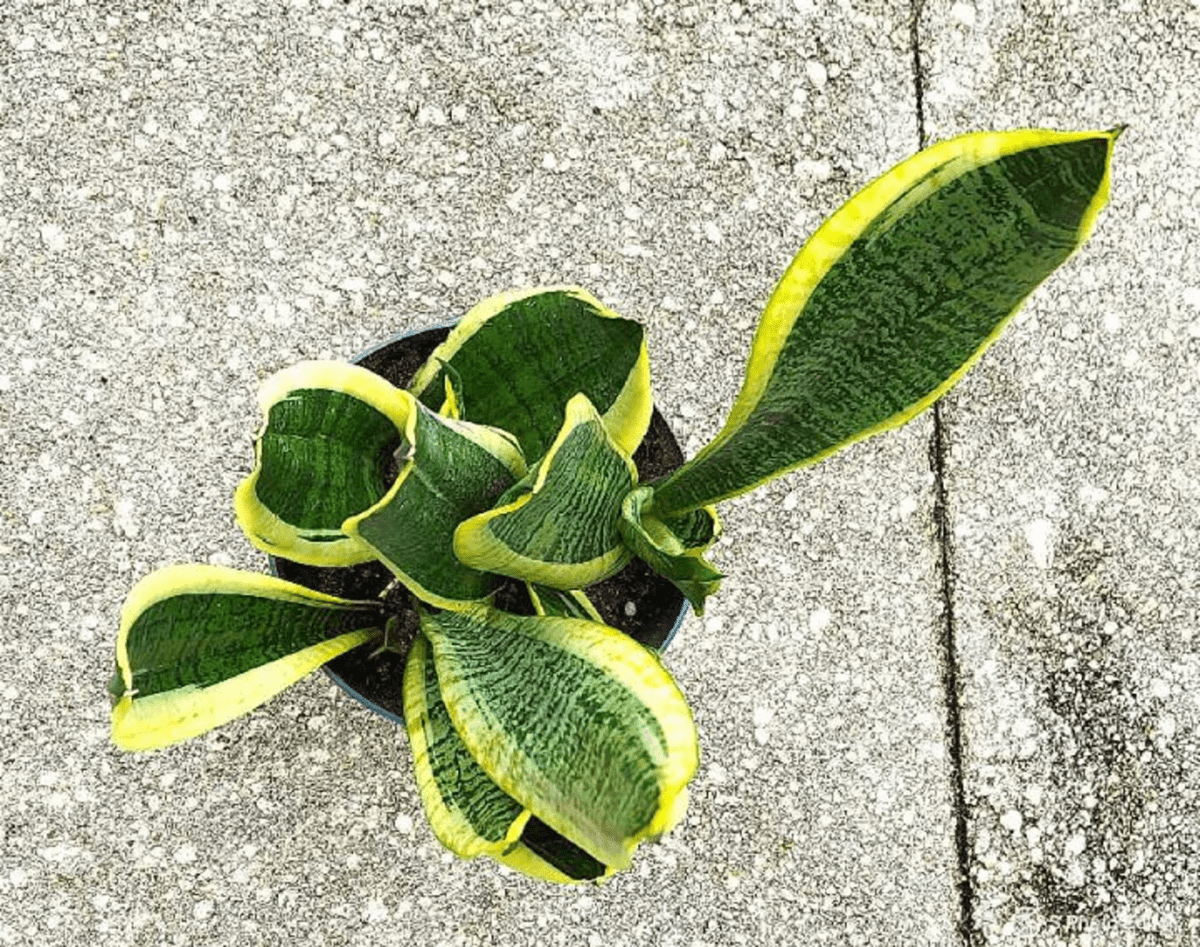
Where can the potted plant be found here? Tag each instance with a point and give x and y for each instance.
(498, 487)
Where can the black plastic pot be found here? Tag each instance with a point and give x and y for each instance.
(637, 600)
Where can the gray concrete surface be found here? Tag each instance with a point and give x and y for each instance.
(1074, 476)
(191, 199)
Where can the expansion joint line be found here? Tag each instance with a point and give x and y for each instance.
(952, 686)
(951, 682)
(914, 38)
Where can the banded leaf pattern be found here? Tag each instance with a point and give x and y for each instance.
(896, 296)
(201, 645)
(198, 639)
(469, 813)
(573, 719)
(571, 516)
(522, 355)
(329, 454)
(564, 533)
(326, 452)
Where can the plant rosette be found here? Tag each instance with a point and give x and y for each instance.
(493, 494)
(637, 600)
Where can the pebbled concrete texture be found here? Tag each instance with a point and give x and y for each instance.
(194, 197)
(1073, 477)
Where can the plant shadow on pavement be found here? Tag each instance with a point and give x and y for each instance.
(1104, 762)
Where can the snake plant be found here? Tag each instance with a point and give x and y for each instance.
(549, 741)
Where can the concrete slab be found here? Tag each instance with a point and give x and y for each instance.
(194, 197)
(1074, 478)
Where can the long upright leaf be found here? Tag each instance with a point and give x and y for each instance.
(201, 645)
(895, 296)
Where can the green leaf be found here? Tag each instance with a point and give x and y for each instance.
(563, 533)
(468, 812)
(543, 853)
(573, 719)
(522, 355)
(201, 645)
(695, 530)
(562, 603)
(325, 453)
(674, 555)
(896, 296)
(453, 470)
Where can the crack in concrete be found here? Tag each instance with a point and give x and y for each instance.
(938, 449)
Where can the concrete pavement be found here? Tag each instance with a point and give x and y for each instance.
(988, 741)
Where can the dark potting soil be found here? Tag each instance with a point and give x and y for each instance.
(636, 600)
